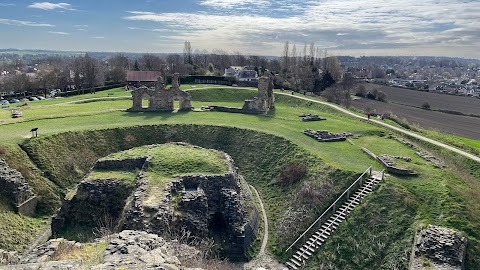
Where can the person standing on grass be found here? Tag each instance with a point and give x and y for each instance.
(368, 116)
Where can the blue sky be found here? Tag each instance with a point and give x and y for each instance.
(344, 27)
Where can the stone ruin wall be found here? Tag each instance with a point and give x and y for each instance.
(201, 197)
(159, 98)
(14, 187)
(265, 100)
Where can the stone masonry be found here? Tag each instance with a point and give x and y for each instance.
(14, 187)
(160, 98)
(198, 204)
(193, 203)
(265, 99)
(438, 248)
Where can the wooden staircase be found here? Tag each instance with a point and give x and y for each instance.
(309, 247)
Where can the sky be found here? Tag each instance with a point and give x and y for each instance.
(251, 27)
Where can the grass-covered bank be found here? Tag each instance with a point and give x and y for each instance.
(66, 157)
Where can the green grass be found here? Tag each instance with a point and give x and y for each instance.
(377, 235)
(127, 176)
(17, 231)
(168, 161)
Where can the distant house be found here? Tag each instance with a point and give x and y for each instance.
(242, 74)
(247, 76)
(139, 78)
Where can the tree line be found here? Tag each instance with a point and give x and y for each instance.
(310, 70)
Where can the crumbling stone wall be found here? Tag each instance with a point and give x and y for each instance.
(14, 187)
(159, 98)
(438, 248)
(265, 100)
(189, 203)
(124, 164)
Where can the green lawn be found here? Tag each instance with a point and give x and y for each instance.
(381, 229)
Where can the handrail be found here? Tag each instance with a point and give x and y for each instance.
(330, 207)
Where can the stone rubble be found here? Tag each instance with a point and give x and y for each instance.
(438, 248)
(308, 117)
(425, 155)
(127, 249)
(325, 136)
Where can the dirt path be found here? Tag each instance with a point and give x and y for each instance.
(265, 223)
(420, 137)
(263, 261)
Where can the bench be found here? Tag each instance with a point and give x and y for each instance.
(16, 113)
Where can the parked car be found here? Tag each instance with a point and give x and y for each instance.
(4, 102)
(41, 98)
(33, 98)
(24, 100)
(14, 100)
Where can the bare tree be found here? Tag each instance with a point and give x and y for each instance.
(286, 58)
(118, 66)
(187, 53)
(332, 65)
(151, 62)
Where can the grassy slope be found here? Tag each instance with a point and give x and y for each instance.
(445, 197)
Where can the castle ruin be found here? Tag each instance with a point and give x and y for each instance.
(264, 101)
(160, 98)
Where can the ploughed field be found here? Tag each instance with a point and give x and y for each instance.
(407, 104)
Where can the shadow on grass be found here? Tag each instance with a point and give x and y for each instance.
(151, 115)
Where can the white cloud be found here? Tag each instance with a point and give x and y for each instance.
(6, 5)
(24, 23)
(59, 33)
(51, 6)
(99, 37)
(227, 4)
(335, 24)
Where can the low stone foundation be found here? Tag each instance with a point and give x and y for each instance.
(325, 136)
(387, 162)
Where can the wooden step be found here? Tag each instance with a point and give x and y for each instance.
(290, 265)
(320, 235)
(296, 263)
(305, 251)
(302, 255)
(297, 258)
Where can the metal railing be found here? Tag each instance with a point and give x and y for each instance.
(332, 207)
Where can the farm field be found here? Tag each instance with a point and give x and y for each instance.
(460, 125)
(465, 105)
(74, 131)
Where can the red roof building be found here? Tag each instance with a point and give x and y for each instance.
(139, 78)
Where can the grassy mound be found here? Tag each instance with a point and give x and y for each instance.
(171, 159)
